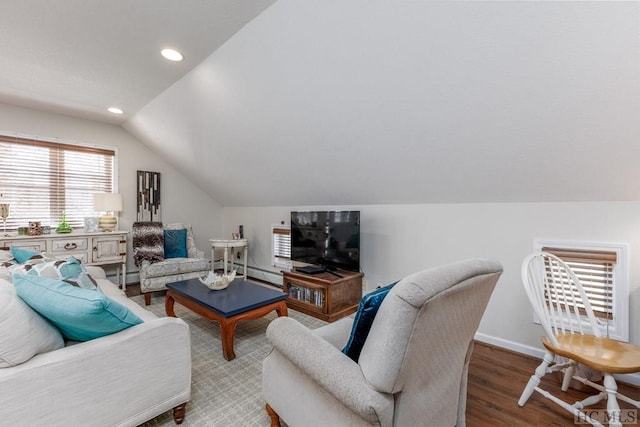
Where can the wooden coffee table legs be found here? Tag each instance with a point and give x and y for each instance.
(227, 324)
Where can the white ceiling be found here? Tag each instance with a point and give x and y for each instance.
(80, 57)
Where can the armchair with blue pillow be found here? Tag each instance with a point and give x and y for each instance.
(166, 253)
(409, 369)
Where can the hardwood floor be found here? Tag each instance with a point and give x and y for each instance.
(496, 380)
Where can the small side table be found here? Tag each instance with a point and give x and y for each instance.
(232, 244)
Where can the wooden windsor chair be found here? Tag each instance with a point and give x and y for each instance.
(572, 331)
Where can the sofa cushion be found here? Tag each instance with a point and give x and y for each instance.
(174, 266)
(367, 309)
(5, 255)
(80, 314)
(114, 292)
(175, 243)
(69, 270)
(24, 332)
(5, 272)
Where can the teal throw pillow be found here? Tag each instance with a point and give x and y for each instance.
(175, 243)
(367, 309)
(79, 314)
(22, 255)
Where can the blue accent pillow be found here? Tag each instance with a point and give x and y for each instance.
(70, 268)
(22, 255)
(80, 314)
(175, 243)
(367, 309)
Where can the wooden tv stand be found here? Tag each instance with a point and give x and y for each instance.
(324, 295)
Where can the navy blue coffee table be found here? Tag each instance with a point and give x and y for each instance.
(241, 300)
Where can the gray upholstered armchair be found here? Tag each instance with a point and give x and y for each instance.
(412, 369)
(156, 270)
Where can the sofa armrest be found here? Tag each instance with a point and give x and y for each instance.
(121, 379)
(330, 368)
(96, 272)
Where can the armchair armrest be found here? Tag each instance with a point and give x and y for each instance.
(197, 253)
(331, 369)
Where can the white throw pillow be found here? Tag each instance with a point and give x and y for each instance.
(70, 270)
(5, 273)
(5, 255)
(24, 332)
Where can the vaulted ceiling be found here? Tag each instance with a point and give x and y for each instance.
(80, 57)
(351, 102)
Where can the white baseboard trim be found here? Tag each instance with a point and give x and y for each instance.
(258, 273)
(133, 277)
(510, 345)
(266, 275)
(269, 276)
(633, 379)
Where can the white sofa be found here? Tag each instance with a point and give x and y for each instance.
(123, 379)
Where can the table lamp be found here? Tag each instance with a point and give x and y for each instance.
(107, 203)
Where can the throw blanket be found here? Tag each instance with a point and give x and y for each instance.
(148, 242)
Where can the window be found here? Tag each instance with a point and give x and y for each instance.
(281, 244)
(43, 179)
(601, 268)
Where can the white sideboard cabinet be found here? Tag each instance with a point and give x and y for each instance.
(101, 248)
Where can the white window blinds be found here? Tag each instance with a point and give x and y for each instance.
(594, 269)
(43, 179)
(281, 241)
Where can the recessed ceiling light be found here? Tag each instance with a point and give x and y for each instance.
(172, 54)
(115, 110)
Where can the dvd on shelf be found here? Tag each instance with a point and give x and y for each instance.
(310, 296)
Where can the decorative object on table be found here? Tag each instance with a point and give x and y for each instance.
(91, 224)
(46, 229)
(235, 236)
(218, 282)
(64, 226)
(4, 211)
(107, 203)
(22, 231)
(148, 200)
(35, 229)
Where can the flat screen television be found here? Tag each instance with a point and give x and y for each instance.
(328, 239)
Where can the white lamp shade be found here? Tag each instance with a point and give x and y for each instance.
(107, 202)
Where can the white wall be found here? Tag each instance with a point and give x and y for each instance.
(182, 201)
(398, 94)
(400, 239)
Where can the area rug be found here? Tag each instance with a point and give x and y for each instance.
(224, 393)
